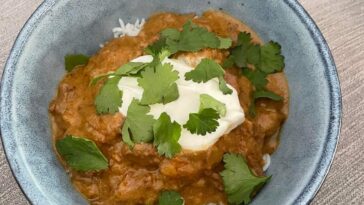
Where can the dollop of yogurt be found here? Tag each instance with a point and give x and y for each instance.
(188, 102)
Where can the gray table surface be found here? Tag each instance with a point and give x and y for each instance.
(341, 22)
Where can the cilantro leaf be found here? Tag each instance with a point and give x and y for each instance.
(166, 136)
(131, 69)
(128, 69)
(205, 121)
(223, 86)
(81, 154)
(244, 38)
(170, 198)
(194, 38)
(245, 52)
(262, 94)
(163, 54)
(72, 61)
(229, 62)
(206, 70)
(239, 181)
(138, 125)
(257, 77)
(266, 94)
(191, 38)
(109, 98)
(271, 59)
(159, 57)
(207, 101)
(267, 58)
(96, 79)
(156, 47)
(159, 85)
(171, 33)
(225, 43)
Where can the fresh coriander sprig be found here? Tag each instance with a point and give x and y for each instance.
(205, 121)
(206, 70)
(166, 136)
(109, 98)
(207, 101)
(170, 198)
(192, 38)
(257, 94)
(128, 69)
(256, 77)
(159, 84)
(81, 154)
(138, 125)
(106, 101)
(239, 181)
(72, 61)
(265, 59)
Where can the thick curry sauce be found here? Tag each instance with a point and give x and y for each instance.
(137, 176)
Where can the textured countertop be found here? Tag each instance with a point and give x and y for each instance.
(342, 24)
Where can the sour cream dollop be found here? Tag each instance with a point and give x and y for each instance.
(188, 102)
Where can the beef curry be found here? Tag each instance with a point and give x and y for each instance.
(138, 175)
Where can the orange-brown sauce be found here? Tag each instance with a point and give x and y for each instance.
(137, 176)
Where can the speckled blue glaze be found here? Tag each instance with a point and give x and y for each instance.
(35, 67)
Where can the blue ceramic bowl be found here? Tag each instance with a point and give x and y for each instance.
(57, 28)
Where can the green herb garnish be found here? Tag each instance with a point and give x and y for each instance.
(106, 101)
(131, 69)
(207, 101)
(262, 94)
(266, 94)
(159, 85)
(138, 125)
(72, 61)
(205, 121)
(166, 136)
(206, 70)
(192, 38)
(256, 77)
(81, 154)
(224, 87)
(109, 98)
(246, 52)
(239, 181)
(158, 81)
(170, 198)
(266, 58)
(271, 59)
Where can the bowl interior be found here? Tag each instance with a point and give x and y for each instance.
(63, 27)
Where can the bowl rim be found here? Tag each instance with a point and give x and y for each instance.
(332, 138)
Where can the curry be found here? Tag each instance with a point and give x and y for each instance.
(138, 175)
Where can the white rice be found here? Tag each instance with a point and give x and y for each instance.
(128, 29)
